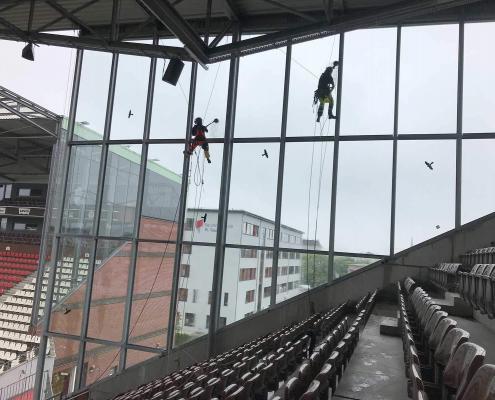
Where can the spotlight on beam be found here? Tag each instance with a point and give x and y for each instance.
(173, 71)
(28, 52)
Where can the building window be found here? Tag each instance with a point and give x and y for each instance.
(3, 224)
(247, 274)
(298, 256)
(225, 299)
(292, 255)
(267, 291)
(249, 253)
(185, 269)
(296, 269)
(189, 319)
(24, 192)
(18, 226)
(284, 270)
(195, 295)
(183, 294)
(269, 254)
(284, 255)
(188, 224)
(291, 269)
(268, 272)
(250, 229)
(249, 296)
(186, 249)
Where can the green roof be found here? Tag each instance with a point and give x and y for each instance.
(85, 133)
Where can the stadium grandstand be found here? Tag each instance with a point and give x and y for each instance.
(247, 200)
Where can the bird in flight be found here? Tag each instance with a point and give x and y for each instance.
(429, 165)
(130, 114)
(204, 217)
(265, 153)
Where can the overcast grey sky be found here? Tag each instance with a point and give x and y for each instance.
(427, 104)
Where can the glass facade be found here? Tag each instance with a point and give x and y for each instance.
(151, 244)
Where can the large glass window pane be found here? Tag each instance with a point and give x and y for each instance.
(253, 190)
(131, 88)
(120, 190)
(93, 94)
(246, 283)
(260, 94)
(151, 295)
(363, 197)
(479, 80)
(203, 196)
(69, 290)
(343, 265)
(425, 197)
(309, 60)
(109, 293)
(478, 175)
(211, 95)
(307, 194)
(161, 191)
(100, 362)
(194, 294)
(428, 79)
(170, 103)
(82, 183)
(299, 272)
(62, 358)
(368, 82)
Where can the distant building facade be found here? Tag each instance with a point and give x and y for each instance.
(247, 275)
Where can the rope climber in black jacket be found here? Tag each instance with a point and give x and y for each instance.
(324, 92)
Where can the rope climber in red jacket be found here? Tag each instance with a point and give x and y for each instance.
(198, 138)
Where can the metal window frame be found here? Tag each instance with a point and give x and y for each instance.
(221, 243)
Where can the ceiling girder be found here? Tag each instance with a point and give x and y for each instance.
(165, 13)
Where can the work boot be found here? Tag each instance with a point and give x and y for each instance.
(318, 119)
(209, 161)
(331, 116)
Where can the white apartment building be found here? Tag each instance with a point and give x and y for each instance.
(247, 272)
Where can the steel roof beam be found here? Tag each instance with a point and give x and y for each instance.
(28, 120)
(72, 18)
(291, 10)
(72, 12)
(328, 8)
(136, 49)
(232, 10)
(391, 14)
(168, 16)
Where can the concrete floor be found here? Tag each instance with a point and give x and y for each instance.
(376, 369)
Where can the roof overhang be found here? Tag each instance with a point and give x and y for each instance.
(113, 25)
(27, 134)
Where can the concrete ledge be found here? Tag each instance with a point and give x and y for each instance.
(389, 327)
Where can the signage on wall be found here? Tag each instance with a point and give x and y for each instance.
(31, 211)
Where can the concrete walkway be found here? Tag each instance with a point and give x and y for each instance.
(376, 369)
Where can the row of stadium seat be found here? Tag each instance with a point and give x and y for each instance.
(440, 361)
(484, 255)
(477, 288)
(18, 254)
(258, 368)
